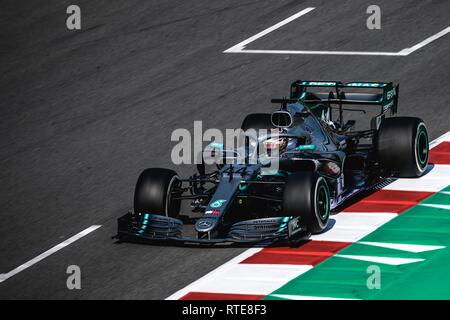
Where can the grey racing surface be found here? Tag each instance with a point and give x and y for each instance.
(84, 112)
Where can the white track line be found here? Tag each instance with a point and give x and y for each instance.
(240, 47)
(42, 256)
(346, 53)
(428, 40)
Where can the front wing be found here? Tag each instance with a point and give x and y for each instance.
(156, 228)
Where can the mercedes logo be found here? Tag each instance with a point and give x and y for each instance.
(204, 224)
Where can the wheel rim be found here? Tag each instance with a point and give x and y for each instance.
(322, 202)
(422, 148)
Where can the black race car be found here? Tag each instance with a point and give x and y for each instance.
(320, 163)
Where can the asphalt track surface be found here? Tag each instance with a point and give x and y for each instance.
(83, 112)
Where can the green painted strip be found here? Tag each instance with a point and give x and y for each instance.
(340, 277)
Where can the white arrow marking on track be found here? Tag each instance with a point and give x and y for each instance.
(384, 260)
(416, 248)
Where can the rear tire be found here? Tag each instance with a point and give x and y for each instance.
(402, 146)
(307, 195)
(153, 192)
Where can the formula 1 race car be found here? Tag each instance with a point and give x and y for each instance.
(321, 163)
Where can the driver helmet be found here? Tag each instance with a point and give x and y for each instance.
(276, 143)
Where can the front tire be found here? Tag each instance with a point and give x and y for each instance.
(153, 192)
(307, 195)
(402, 146)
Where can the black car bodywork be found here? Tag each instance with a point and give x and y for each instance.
(242, 202)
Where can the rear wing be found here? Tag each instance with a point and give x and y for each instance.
(384, 94)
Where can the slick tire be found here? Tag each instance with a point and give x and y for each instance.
(153, 192)
(307, 195)
(402, 146)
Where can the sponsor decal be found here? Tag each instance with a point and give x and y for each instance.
(314, 83)
(387, 106)
(390, 94)
(294, 226)
(365, 84)
(212, 212)
(218, 203)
